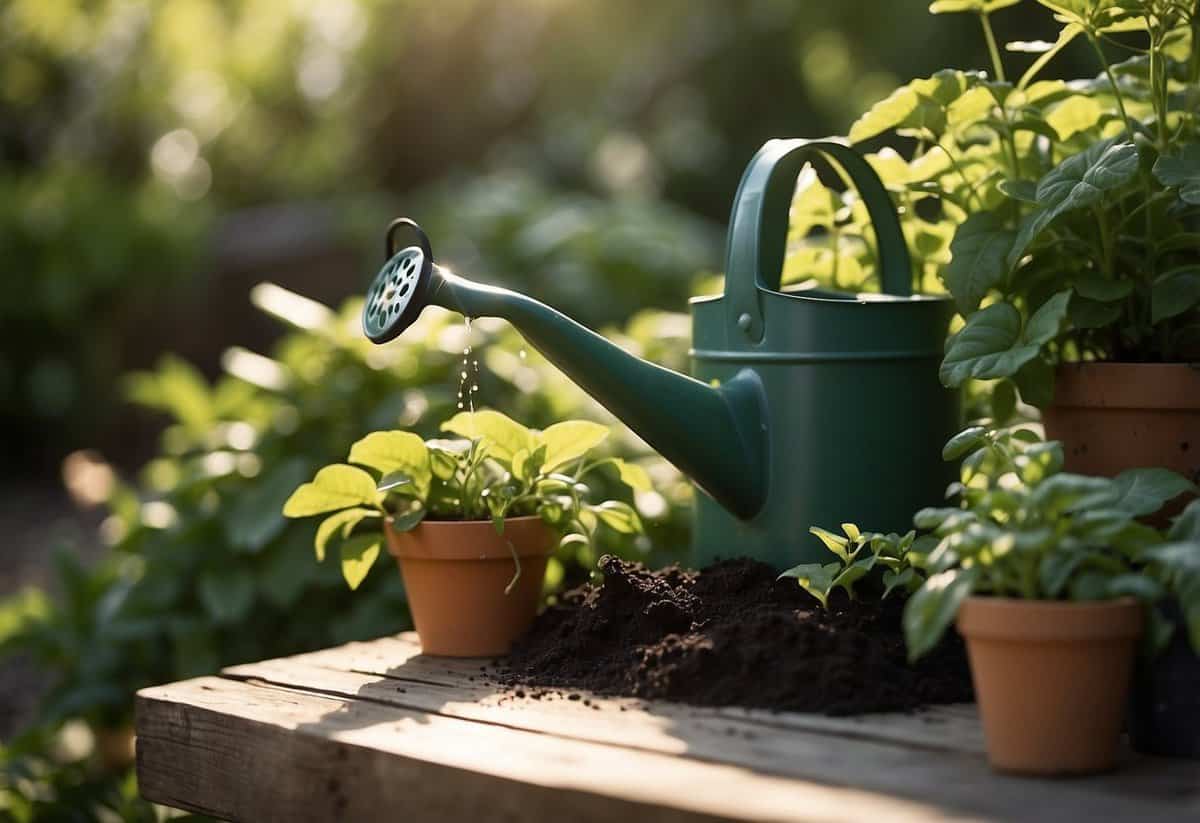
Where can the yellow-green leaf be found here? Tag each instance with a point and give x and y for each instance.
(619, 517)
(984, 6)
(634, 476)
(358, 555)
(571, 440)
(835, 543)
(395, 451)
(342, 522)
(502, 435)
(851, 531)
(335, 487)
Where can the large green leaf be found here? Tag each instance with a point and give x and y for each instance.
(358, 555)
(335, 487)
(988, 346)
(340, 523)
(388, 452)
(978, 254)
(918, 107)
(1174, 294)
(1047, 321)
(1078, 182)
(570, 440)
(502, 435)
(618, 516)
(1181, 170)
(1145, 491)
(931, 609)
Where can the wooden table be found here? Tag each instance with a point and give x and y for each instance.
(376, 731)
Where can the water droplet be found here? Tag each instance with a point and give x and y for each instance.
(463, 375)
(521, 354)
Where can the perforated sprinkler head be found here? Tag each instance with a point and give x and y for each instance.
(399, 292)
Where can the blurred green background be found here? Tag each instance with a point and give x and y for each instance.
(161, 158)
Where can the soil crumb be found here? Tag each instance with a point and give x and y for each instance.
(731, 634)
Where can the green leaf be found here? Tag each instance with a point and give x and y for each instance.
(1103, 289)
(834, 542)
(814, 578)
(852, 531)
(932, 608)
(967, 440)
(227, 594)
(850, 575)
(618, 516)
(1187, 525)
(1141, 586)
(1077, 182)
(1175, 294)
(571, 440)
(1035, 381)
(977, 263)
(1073, 492)
(633, 475)
(1145, 491)
(395, 451)
(1075, 114)
(1055, 569)
(1003, 403)
(1022, 190)
(888, 113)
(392, 481)
(988, 346)
(1046, 322)
(502, 435)
(335, 487)
(1092, 314)
(407, 521)
(906, 580)
(981, 6)
(1181, 170)
(341, 523)
(358, 555)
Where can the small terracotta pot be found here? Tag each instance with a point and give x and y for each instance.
(455, 573)
(1051, 679)
(1117, 416)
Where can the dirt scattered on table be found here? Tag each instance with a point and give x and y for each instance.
(731, 634)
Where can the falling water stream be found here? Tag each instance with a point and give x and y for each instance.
(468, 375)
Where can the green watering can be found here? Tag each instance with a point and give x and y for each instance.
(806, 408)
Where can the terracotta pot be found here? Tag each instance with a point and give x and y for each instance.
(1051, 680)
(1117, 416)
(455, 573)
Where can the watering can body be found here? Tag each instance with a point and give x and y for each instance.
(803, 409)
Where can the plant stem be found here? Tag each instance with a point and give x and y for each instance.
(993, 50)
(1112, 80)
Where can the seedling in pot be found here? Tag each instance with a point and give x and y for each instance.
(493, 469)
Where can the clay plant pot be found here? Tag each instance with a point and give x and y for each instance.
(1164, 714)
(1051, 680)
(1117, 416)
(455, 573)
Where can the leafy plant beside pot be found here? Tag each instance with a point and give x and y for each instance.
(1165, 711)
(1078, 267)
(471, 520)
(1044, 572)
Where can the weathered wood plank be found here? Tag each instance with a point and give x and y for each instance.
(956, 781)
(943, 728)
(257, 753)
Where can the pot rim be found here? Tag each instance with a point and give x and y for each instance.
(1014, 619)
(1122, 385)
(472, 540)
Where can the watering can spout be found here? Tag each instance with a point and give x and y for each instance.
(716, 434)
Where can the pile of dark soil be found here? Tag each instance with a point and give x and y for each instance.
(731, 634)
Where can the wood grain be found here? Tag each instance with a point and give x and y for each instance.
(374, 730)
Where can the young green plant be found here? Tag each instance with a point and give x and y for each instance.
(858, 553)
(1026, 529)
(494, 469)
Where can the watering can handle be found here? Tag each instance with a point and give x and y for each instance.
(759, 223)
